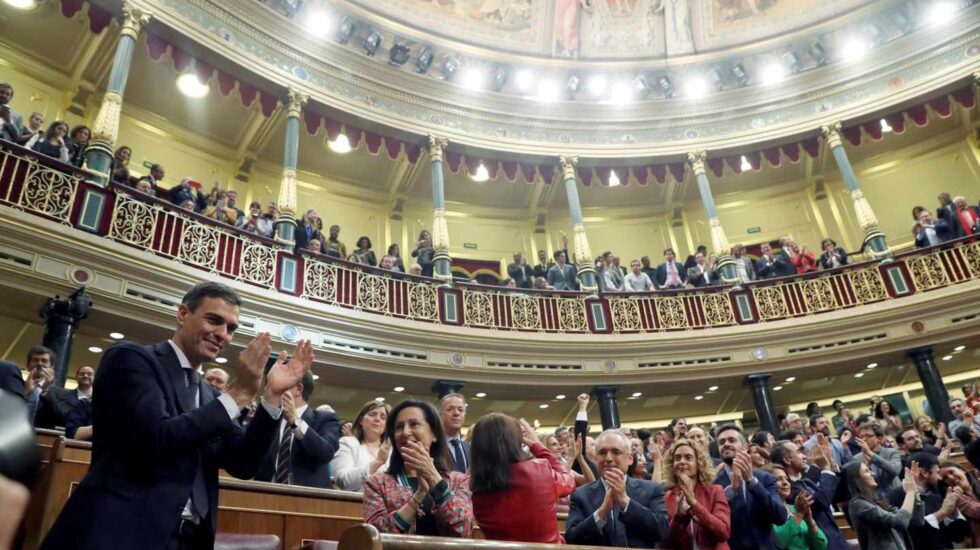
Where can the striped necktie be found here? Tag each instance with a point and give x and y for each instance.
(283, 463)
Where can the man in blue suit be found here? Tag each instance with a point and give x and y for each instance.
(752, 496)
(671, 273)
(561, 276)
(790, 456)
(452, 412)
(305, 442)
(617, 510)
(160, 434)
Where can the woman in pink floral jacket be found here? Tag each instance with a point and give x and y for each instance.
(419, 493)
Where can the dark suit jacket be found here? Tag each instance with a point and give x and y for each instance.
(925, 535)
(697, 279)
(823, 513)
(180, 193)
(754, 511)
(148, 444)
(11, 378)
(521, 274)
(944, 232)
(53, 408)
(780, 266)
(311, 455)
(79, 416)
(661, 279)
(825, 258)
(461, 468)
(302, 240)
(645, 519)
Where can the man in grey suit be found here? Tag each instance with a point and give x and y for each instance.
(884, 462)
(610, 278)
(743, 264)
(11, 122)
(561, 276)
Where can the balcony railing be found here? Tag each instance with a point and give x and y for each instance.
(57, 192)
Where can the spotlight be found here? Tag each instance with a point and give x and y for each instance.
(597, 85)
(665, 86)
(543, 406)
(713, 388)
(872, 365)
(95, 349)
(221, 360)
(777, 388)
(379, 399)
(317, 22)
(620, 93)
(637, 394)
(341, 145)
(190, 86)
(560, 396)
(941, 13)
(399, 54)
(116, 335)
(372, 43)
(345, 30)
(498, 77)
(772, 73)
(745, 164)
(641, 87)
(792, 61)
(524, 79)
(741, 76)
(698, 397)
(791, 379)
(696, 87)
(481, 175)
(859, 375)
(399, 388)
(572, 86)
(614, 179)
(818, 52)
(958, 349)
(481, 394)
(22, 4)
(547, 90)
(945, 357)
(854, 49)
(472, 78)
(426, 57)
(885, 127)
(449, 67)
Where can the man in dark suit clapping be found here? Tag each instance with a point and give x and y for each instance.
(305, 442)
(617, 510)
(160, 434)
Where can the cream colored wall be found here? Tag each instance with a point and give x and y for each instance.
(32, 94)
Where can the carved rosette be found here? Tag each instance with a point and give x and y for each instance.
(440, 231)
(719, 241)
(132, 221)
(436, 145)
(258, 264)
(297, 100)
(49, 192)
(771, 303)
(525, 312)
(106, 126)
(717, 309)
(625, 315)
(818, 295)
(583, 254)
(571, 315)
(134, 19)
(320, 281)
(696, 161)
(567, 163)
(287, 194)
(198, 245)
(372, 293)
(671, 311)
(865, 216)
(477, 309)
(423, 302)
(831, 133)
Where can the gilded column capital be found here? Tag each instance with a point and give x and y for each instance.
(696, 160)
(567, 163)
(436, 145)
(831, 133)
(134, 19)
(297, 100)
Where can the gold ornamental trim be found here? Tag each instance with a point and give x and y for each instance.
(440, 230)
(831, 133)
(862, 209)
(106, 126)
(134, 19)
(696, 160)
(719, 241)
(297, 100)
(287, 191)
(567, 163)
(436, 146)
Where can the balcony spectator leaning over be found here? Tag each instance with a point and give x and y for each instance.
(11, 122)
(514, 497)
(771, 265)
(221, 210)
(35, 126)
(617, 510)
(306, 229)
(930, 232)
(966, 220)
(701, 274)
(78, 140)
(120, 164)
(833, 255)
(520, 272)
(364, 251)
(744, 267)
(419, 494)
(424, 252)
(332, 245)
(53, 143)
(156, 417)
(648, 269)
(638, 280)
(395, 253)
(670, 274)
(610, 278)
(180, 193)
(947, 210)
(690, 261)
(365, 451)
(305, 442)
(799, 255)
(541, 268)
(561, 276)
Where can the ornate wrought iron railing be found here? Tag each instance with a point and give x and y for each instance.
(49, 189)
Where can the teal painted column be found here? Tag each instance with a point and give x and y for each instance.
(719, 241)
(286, 224)
(874, 239)
(98, 155)
(441, 261)
(582, 254)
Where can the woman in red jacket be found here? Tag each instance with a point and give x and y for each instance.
(515, 497)
(799, 255)
(697, 509)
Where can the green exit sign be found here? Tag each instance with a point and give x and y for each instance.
(147, 164)
(755, 230)
(469, 245)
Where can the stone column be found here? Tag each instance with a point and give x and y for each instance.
(932, 383)
(286, 224)
(719, 241)
(874, 239)
(99, 154)
(61, 317)
(582, 252)
(442, 388)
(608, 408)
(440, 230)
(765, 407)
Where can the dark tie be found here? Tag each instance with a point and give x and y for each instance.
(617, 529)
(285, 447)
(459, 457)
(199, 492)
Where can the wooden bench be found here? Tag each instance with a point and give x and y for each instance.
(366, 537)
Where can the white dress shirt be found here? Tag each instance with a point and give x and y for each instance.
(351, 465)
